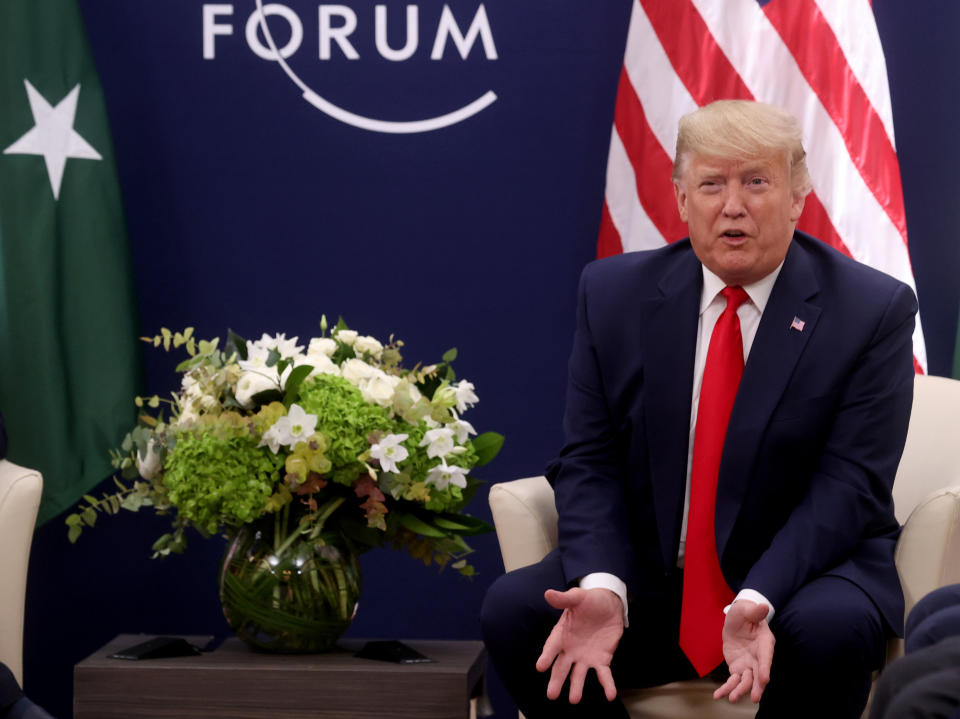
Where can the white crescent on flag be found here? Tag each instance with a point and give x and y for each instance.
(819, 59)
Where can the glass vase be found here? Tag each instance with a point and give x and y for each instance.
(283, 591)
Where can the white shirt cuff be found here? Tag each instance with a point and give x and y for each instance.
(754, 596)
(605, 580)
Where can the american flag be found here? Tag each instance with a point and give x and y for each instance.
(819, 59)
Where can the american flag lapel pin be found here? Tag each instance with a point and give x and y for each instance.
(797, 324)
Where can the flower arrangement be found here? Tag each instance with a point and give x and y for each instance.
(333, 434)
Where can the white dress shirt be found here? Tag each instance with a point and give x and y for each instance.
(712, 304)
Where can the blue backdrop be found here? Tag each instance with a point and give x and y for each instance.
(250, 208)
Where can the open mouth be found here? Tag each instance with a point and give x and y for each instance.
(734, 234)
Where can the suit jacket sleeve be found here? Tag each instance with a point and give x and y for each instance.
(588, 475)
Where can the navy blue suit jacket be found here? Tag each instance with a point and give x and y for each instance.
(813, 443)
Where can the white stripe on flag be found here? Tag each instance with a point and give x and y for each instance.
(853, 23)
(636, 230)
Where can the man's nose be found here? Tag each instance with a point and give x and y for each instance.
(733, 205)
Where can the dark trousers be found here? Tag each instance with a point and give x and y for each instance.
(830, 638)
(10, 692)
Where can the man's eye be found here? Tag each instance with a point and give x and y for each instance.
(758, 181)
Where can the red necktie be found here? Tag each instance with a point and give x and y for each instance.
(705, 591)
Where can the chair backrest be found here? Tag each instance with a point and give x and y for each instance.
(926, 492)
(20, 490)
(931, 458)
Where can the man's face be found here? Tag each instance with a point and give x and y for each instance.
(740, 214)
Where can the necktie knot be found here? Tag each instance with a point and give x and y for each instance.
(735, 296)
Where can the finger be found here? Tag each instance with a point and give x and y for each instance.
(745, 684)
(551, 648)
(606, 681)
(577, 677)
(561, 667)
(564, 600)
(754, 612)
(765, 660)
(727, 686)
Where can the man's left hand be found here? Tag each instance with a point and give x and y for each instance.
(748, 650)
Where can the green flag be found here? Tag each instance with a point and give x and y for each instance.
(68, 322)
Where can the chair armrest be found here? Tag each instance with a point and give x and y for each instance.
(526, 520)
(928, 552)
(20, 490)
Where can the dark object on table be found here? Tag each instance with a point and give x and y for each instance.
(392, 651)
(157, 648)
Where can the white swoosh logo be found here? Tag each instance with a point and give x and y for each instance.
(369, 123)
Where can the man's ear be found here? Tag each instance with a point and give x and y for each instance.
(796, 207)
(681, 196)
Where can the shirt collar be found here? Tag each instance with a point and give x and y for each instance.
(758, 292)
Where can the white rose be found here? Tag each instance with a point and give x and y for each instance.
(368, 345)
(322, 345)
(378, 390)
(249, 384)
(321, 364)
(348, 337)
(149, 464)
(355, 371)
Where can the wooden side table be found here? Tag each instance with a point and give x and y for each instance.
(235, 682)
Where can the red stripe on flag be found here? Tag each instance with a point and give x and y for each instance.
(652, 166)
(815, 221)
(608, 240)
(814, 46)
(698, 60)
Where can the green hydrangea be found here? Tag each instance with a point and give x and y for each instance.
(346, 420)
(216, 476)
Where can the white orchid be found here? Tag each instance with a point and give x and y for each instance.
(461, 429)
(296, 426)
(389, 452)
(257, 357)
(443, 475)
(466, 397)
(439, 442)
(251, 383)
(286, 348)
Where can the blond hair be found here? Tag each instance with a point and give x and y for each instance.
(743, 129)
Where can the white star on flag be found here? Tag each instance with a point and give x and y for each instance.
(53, 135)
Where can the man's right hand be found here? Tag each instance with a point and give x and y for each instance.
(584, 638)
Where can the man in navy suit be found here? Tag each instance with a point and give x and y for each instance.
(800, 516)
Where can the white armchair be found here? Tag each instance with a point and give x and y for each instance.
(927, 498)
(20, 490)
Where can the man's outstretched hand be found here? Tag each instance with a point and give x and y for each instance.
(748, 650)
(584, 638)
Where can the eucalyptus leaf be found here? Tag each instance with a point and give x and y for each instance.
(450, 355)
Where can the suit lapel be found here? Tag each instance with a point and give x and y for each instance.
(776, 348)
(669, 341)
